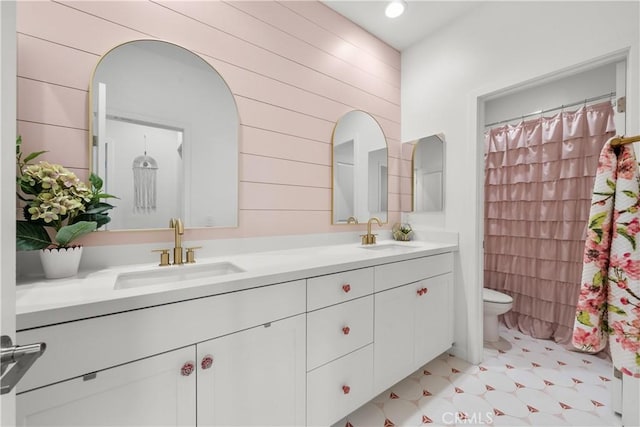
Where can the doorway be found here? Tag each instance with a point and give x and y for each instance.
(569, 90)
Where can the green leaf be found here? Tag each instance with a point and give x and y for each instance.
(28, 189)
(597, 279)
(96, 182)
(623, 233)
(105, 196)
(99, 218)
(597, 220)
(611, 184)
(33, 155)
(31, 236)
(631, 194)
(583, 317)
(102, 219)
(617, 310)
(598, 238)
(69, 233)
(638, 359)
(98, 208)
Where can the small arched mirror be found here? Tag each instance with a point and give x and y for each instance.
(164, 129)
(360, 180)
(427, 164)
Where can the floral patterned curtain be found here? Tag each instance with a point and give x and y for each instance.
(538, 183)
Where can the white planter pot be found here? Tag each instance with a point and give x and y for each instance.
(59, 263)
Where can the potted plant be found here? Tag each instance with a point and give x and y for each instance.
(401, 232)
(58, 208)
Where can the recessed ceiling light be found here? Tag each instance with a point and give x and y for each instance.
(395, 8)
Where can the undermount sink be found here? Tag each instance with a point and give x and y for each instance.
(389, 247)
(174, 273)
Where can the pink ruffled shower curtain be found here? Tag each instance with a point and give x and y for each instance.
(538, 183)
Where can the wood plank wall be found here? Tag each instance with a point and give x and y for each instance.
(294, 68)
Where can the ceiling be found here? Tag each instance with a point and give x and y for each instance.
(421, 18)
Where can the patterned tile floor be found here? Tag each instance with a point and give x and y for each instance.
(522, 381)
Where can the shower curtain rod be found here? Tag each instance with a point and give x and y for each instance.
(537, 113)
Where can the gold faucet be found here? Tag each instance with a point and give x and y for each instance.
(352, 220)
(176, 224)
(370, 239)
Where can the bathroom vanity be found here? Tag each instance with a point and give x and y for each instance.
(295, 337)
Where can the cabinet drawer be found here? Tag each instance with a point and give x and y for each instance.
(389, 276)
(340, 387)
(84, 346)
(332, 289)
(337, 330)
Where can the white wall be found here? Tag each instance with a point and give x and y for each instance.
(588, 84)
(499, 46)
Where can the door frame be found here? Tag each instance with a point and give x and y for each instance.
(477, 99)
(8, 73)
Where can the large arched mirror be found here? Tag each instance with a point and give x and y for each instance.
(359, 169)
(428, 174)
(164, 129)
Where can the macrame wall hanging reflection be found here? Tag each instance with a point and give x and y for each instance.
(145, 169)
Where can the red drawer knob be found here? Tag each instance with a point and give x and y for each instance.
(422, 291)
(187, 369)
(346, 389)
(346, 287)
(346, 330)
(206, 362)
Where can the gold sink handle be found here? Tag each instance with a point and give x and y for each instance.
(191, 254)
(164, 257)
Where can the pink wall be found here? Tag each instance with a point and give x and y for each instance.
(293, 67)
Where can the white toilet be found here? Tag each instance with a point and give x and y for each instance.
(495, 303)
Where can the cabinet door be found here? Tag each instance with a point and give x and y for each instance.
(393, 336)
(155, 391)
(433, 318)
(254, 377)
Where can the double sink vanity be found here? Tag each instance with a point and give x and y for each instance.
(292, 337)
(298, 337)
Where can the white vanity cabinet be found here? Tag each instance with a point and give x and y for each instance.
(307, 351)
(414, 316)
(198, 362)
(339, 344)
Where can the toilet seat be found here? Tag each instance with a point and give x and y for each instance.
(489, 295)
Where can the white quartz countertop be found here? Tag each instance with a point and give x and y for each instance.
(93, 293)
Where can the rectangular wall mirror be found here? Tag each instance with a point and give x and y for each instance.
(427, 165)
